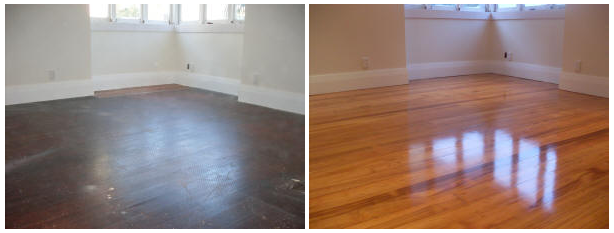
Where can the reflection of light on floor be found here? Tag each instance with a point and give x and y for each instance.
(503, 158)
(549, 178)
(473, 145)
(528, 169)
(444, 150)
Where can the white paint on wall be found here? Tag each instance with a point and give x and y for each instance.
(43, 38)
(274, 47)
(213, 54)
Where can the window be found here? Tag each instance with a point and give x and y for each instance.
(128, 11)
(99, 10)
(472, 7)
(216, 12)
(508, 7)
(532, 7)
(444, 7)
(239, 12)
(190, 13)
(415, 6)
(158, 13)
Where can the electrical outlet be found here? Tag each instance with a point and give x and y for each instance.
(189, 67)
(51, 74)
(577, 66)
(504, 55)
(365, 63)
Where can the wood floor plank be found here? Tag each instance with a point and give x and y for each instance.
(185, 158)
(475, 151)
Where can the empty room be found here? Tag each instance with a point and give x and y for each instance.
(155, 116)
(458, 116)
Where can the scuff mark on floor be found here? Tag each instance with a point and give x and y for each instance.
(10, 166)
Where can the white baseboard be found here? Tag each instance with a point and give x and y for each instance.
(127, 80)
(525, 70)
(586, 84)
(445, 69)
(276, 99)
(208, 82)
(48, 91)
(326, 83)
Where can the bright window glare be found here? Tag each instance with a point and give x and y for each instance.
(158, 12)
(99, 10)
(507, 5)
(217, 12)
(240, 12)
(128, 11)
(190, 12)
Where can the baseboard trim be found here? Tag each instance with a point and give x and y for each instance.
(208, 82)
(336, 82)
(585, 84)
(525, 70)
(271, 98)
(445, 69)
(127, 80)
(48, 91)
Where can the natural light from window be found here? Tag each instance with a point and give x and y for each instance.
(158, 12)
(217, 12)
(99, 10)
(128, 11)
(190, 12)
(240, 12)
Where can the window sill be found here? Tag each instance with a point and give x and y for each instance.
(104, 25)
(435, 14)
(438, 14)
(214, 28)
(533, 14)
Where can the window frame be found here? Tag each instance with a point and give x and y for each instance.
(486, 12)
(112, 23)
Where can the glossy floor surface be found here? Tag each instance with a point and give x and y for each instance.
(477, 151)
(171, 159)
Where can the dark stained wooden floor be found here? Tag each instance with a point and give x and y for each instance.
(475, 151)
(173, 159)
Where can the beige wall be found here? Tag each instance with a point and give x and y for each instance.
(586, 39)
(340, 35)
(274, 47)
(444, 40)
(46, 37)
(132, 51)
(215, 54)
(534, 41)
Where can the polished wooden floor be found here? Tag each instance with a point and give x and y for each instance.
(477, 151)
(185, 158)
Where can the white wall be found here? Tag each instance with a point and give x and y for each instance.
(214, 54)
(133, 51)
(274, 47)
(534, 41)
(446, 40)
(46, 37)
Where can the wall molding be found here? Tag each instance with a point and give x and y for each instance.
(585, 84)
(267, 97)
(137, 79)
(208, 82)
(443, 14)
(535, 14)
(272, 98)
(444, 69)
(20, 94)
(526, 70)
(336, 82)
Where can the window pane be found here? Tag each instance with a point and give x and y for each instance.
(99, 10)
(190, 12)
(128, 11)
(414, 6)
(473, 7)
(536, 6)
(240, 12)
(159, 12)
(507, 7)
(447, 7)
(217, 12)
